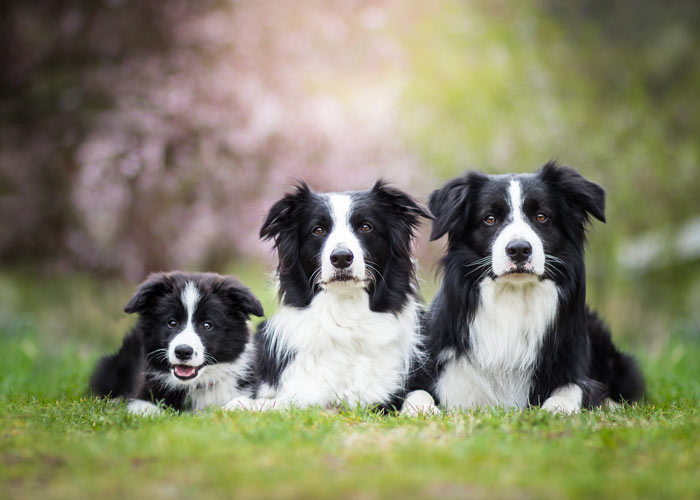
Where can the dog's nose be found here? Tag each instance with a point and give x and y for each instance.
(183, 352)
(519, 251)
(341, 258)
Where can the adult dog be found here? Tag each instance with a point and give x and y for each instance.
(510, 326)
(348, 328)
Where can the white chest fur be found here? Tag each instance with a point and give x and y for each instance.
(219, 383)
(216, 384)
(505, 338)
(343, 351)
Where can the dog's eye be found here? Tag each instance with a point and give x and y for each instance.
(541, 217)
(172, 323)
(366, 227)
(318, 230)
(490, 220)
(207, 325)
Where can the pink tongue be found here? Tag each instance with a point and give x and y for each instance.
(184, 371)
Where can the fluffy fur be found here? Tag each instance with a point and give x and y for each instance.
(348, 327)
(189, 349)
(509, 325)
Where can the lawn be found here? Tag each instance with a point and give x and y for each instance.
(57, 442)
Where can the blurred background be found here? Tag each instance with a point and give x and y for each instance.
(148, 135)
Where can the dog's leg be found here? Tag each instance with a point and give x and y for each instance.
(565, 399)
(143, 408)
(419, 403)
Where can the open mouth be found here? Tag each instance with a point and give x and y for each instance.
(185, 372)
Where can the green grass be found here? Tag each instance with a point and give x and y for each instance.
(56, 442)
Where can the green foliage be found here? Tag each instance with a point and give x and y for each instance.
(606, 88)
(192, 118)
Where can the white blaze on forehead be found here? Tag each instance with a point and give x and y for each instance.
(188, 335)
(516, 228)
(341, 236)
(340, 210)
(190, 297)
(515, 200)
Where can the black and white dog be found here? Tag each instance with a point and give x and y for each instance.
(348, 327)
(509, 326)
(191, 346)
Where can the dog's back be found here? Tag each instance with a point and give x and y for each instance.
(617, 371)
(120, 375)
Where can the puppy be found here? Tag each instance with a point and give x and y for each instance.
(509, 325)
(348, 328)
(190, 348)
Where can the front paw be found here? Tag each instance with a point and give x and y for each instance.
(240, 403)
(564, 399)
(556, 404)
(143, 408)
(419, 403)
(610, 404)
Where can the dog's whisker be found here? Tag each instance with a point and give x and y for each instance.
(559, 272)
(374, 270)
(552, 258)
(315, 275)
(554, 271)
(484, 274)
(479, 262)
(371, 276)
(158, 354)
(485, 265)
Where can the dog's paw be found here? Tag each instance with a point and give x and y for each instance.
(560, 405)
(240, 403)
(609, 404)
(143, 408)
(565, 399)
(419, 403)
(268, 404)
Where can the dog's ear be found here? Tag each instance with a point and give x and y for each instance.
(401, 201)
(577, 191)
(448, 204)
(281, 214)
(240, 298)
(156, 284)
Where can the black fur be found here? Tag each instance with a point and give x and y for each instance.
(269, 363)
(136, 371)
(578, 348)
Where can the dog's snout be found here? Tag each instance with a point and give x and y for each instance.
(519, 250)
(341, 258)
(183, 352)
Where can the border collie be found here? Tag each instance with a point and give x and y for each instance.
(348, 328)
(509, 326)
(190, 348)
